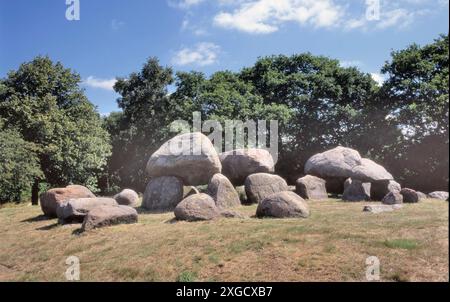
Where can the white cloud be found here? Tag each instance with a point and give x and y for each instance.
(378, 77)
(266, 16)
(398, 17)
(399, 14)
(186, 25)
(106, 84)
(202, 54)
(185, 4)
(105, 114)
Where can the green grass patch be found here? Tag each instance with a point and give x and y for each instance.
(187, 276)
(406, 244)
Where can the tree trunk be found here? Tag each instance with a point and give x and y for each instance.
(35, 193)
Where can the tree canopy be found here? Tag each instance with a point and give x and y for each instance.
(42, 100)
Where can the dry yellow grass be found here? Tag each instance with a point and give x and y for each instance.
(332, 245)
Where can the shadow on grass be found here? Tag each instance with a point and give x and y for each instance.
(77, 232)
(171, 221)
(48, 227)
(37, 219)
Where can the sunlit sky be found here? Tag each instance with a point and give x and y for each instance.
(115, 37)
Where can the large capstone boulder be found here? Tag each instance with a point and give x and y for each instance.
(163, 194)
(356, 190)
(409, 195)
(52, 198)
(311, 187)
(223, 192)
(393, 198)
(127, 197)
(75, 210)
(381, 188)
(196, 208)
(238, 164)
(191, 157)
(381, 208)
(261, 185)
(109, 215)
(441, 195)
(335, 163)
(334, 166)
(285, 204)
(369, 171)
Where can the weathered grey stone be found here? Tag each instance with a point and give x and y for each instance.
(422, 196)
(285, 204)
(109, 215)
(409, 195)
(442, 195)
(196, 208)
(238, 164)
(49, 200)
(223, 192)
(311, 187)
(335, 163)
(380, 208)
(74, 210)
(379, 189)
(191, 157)
(260, 185)
(393, 198)
(163, 194)
(370, 171)
(127, 197)
(356, 191)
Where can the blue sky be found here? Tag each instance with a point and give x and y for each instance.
(115, 37)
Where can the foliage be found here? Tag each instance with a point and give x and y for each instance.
(44, 102)
(416, 95)
(328, 103)
(19, 165)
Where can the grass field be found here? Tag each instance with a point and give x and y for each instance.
(332, 245)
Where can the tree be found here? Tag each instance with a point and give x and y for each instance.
(19, 165)
(44, 102)
(328, 103)
(416, 95)
(139, 131)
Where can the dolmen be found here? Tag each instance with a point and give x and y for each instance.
(77, 204)
(346, 172)
(174, 168)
